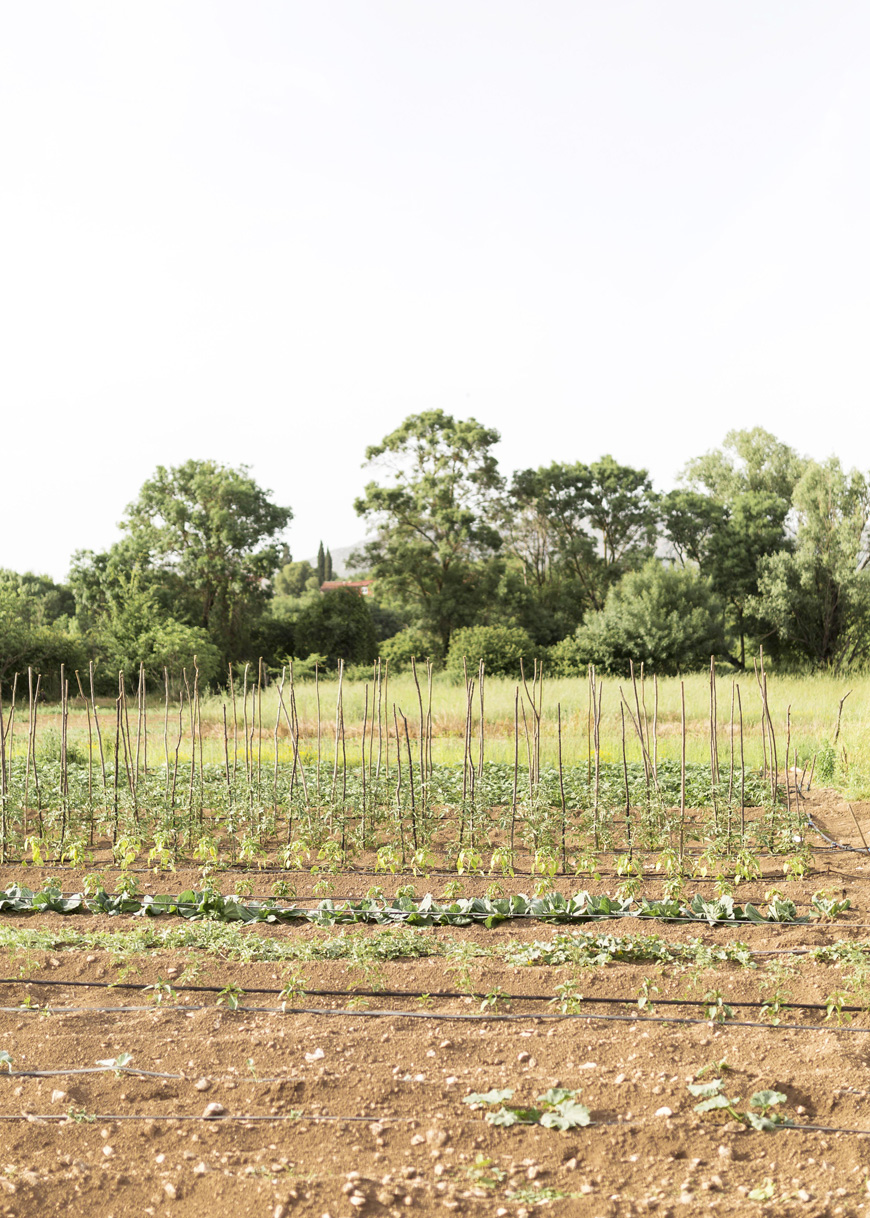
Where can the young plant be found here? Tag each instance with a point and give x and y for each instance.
(559, 1109)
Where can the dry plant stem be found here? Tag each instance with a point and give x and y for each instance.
(319, 726)
(731, 763)
(33, 751)
(387, 716)
(245, 711)
(115, 807)
(64, 736)
(259, 720)
(562, 790)
(227, 759)
(858, 827)
(166, 720)
(363, 767)
(840, 716)
(410, 781)
(422, 740)
(277, 725)
(380, 729)
(399, 787)
(714, 747)
(742, 772)
(29, 743)
(590, 704)
(336, 736)
(638, 726)
(787, 751)
(682, 770)
(198, 720)
(625, 780)
(655, 724)
(235, 724)
(139, 700)
(90, 758)
(481, 673)
(96, 725)
(516, 765)
(297, 760)
(3, 786)
(429, 716)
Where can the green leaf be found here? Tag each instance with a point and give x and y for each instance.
(715, 1101)
(567, 1115)
(766, 1099)
(556, 1095)
(478, 1099)
(705, 1089)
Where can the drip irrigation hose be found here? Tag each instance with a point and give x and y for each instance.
(440, 1016)
(415, 994)
(833, 844)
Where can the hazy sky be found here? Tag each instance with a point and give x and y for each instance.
(266, 232)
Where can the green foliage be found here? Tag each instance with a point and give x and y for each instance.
(500, 647)
(210, 525)
(559, 1109)
(410, 643)
(294, 578)
(818, 596)
(667, 618)
(28, 637)
(337, 625)
(434, 539)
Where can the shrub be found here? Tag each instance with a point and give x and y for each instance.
(407, 644)
(500, 647)
(666, 617)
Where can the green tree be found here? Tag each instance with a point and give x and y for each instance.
(571, 531)
(818, 596)
(294, 578)
(434, 540)
(500, 647)
(213, 529)
(749, 460)
(669, 618)
(27, 639)
(336, 625)
(321, 564)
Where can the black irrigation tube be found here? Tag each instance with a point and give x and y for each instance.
(132, 1070)
(322, 993)
(95, 1117)
(441, 1016)
(65, 1119)
(833, 844)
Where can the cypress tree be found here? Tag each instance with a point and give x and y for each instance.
(321, 565)
(329, 571)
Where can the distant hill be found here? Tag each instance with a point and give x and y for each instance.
(340, 556)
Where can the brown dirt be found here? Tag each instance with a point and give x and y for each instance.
(415, 1147)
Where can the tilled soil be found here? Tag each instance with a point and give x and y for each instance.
(338, 1109)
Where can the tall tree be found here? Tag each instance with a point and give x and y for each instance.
(433, 517)
(818, 596)
(321, 564)
(214, 529)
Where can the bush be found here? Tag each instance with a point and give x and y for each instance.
(410, 643)
(500, 647)
(337, 625)
(667, 618)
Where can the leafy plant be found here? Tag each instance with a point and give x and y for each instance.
(559, 1109)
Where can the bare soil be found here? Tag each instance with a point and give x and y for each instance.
(136, 1144)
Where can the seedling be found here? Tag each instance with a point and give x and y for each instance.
(484, 1172)
(6, 1060)
(764, 1192)
(716, 1008)
(559, 1109)
(713, 1099)
(230, 996)
(161, 991)
(116, 1064)
(493, 998)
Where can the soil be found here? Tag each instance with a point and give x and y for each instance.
(405, 1143)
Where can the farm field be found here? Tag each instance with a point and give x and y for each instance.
(498, 981)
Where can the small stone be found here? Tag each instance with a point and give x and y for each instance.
(57, 1097)
(417, 1139)
(202, 1084)
(804, 1195)
(523, 1057)
(108, 1151)
(200, 1169)
(571, 1165)
(436, 1137)
(315, 1056)
(357, 1200)
(533, 1173)
(620, 1078)
(170, 1190)
(280, 1211)
(664, 1112)
(214, 1109)
(726, 1152)
(686, 1198)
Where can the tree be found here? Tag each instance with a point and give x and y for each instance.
(668, 618)
(733, 515)
(336, 625)
(212, 528)
(500, 647)
(818, 596)
(294, 578)
(434, 542)
(571, 532)
(27, 639)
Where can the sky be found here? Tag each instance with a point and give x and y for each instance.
(265, 233)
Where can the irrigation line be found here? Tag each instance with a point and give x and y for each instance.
(415, 994)
(834, 845)
(132, 1070)
(228, 1117)
(440, 1016)
(64, 1118)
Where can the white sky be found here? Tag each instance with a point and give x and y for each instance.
(266, 232)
